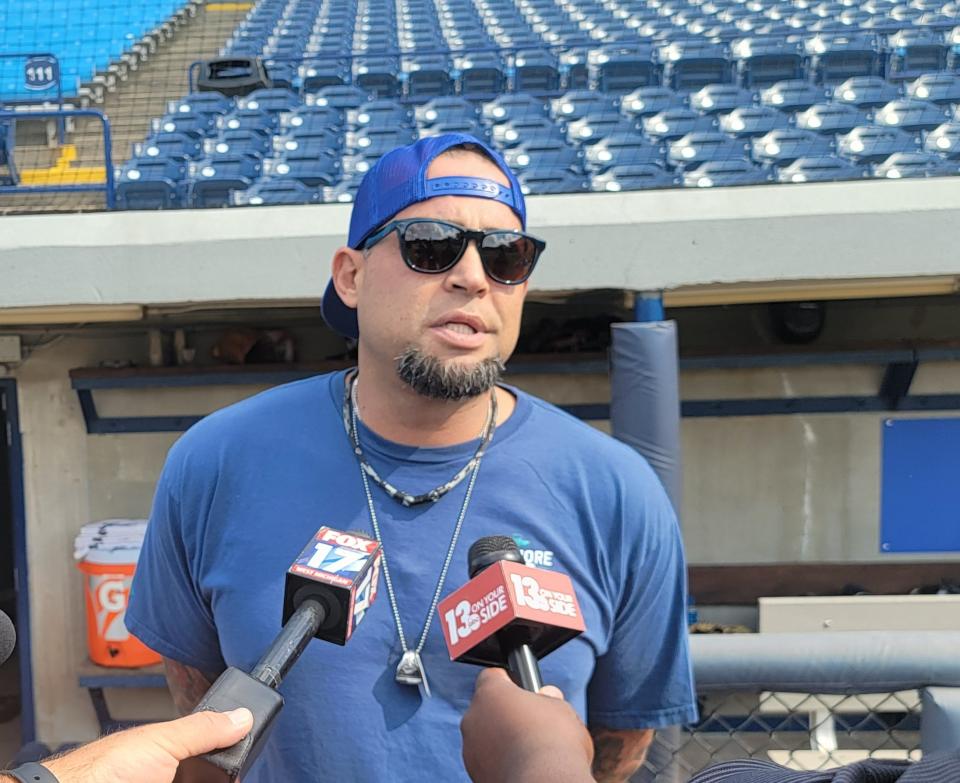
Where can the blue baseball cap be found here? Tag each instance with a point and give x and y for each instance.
(398, 180)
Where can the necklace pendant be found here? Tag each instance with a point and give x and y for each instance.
(410, 672)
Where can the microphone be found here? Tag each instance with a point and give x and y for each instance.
(8, 637)
(328, 590)
(509, 614)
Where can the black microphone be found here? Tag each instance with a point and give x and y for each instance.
(509, 614)
(8, 637)
(328, 590)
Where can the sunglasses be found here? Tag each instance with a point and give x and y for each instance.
(435, 246)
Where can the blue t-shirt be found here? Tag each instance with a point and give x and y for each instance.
(246, 488)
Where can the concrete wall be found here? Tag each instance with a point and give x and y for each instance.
(763, 489)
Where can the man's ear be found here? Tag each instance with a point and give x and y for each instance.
(347, 274)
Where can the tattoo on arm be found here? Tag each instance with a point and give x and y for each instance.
(618, 754)
(187, 685)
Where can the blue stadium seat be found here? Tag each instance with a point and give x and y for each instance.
(716, 98)
(953, 47)
(914, 52)
(940, 23)
(426, 76)
(173, 146)
(507, 108)
(695, 149)
(374, 142)
(748, 121)
(552, 180)
(944, 140)
(340, 98)
(621, 69)
(282, 73)
(151, 183)
(318, 170)
(640, 176)
(512, 134)
(479, 75)
(446, 109)
(865, 92)
(940, 88)
(471, 127)
(237, 142)
(835, 58)
(763, 61)
(782, 147)
(721, 173)
(648, 101)
(313, 118)
(212, 178)
(201, 103)
(543, 154)
(691, 64)
(377, 75)
(534, 71)
(317, 74)
(911, 115)
(273, 100)
(674, 123)
(831, 118)
(915, 164)
(275, 192)
(574, 72)
(190, 123)
(622, 149)
(303, 142)
(249, 119)
(380, 113)
(594, 127)
(579, 103)
(873, 144)
(793, 95)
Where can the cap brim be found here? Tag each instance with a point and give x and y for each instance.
(339, 317)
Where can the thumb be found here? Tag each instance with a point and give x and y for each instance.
(202, 732)
(552, 691)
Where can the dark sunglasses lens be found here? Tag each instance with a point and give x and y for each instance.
(509, 257)
(431, 247)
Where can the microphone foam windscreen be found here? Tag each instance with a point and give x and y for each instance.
(8, 637)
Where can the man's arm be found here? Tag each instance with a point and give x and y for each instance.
(618, 753)
(187, 685)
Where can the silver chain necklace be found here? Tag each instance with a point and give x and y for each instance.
(410, 669)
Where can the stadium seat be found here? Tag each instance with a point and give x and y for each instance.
(911, 115)
(249, 119)
(201, 103)
(915, 164)
(552, 180)
(272, 100)
(533, 71)
(275, 192)
(507, 108)
(151, 183)
(479, 75)
(762, 61)
(720, 173)
(873, 144)
(944, 140)
(791, 96)
(914, 52)
(865, 92)
(426, 76)
(579, 103)
(622, 149)
(716, 98)
(942, 88)
(621, 69)
(173, 146)
(648, 101)
(782, 147)
(594, 127)
(574, 71)
(189, 123)
(249, 142)
(317, 74)
(309, 141)
(695, 149)
(377, 75)
(446, 109)
(380, 113)
(341, 98)
(512, 134)
(640, 176)
(374, 142)
(314, 171)
(835, 58)
(831, 118)
(748, 121)
(543, 154)
(312, 118)
(471, 127)
(674, 123)
(212, 178)
(691, 64)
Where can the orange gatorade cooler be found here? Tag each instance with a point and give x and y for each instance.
(107, 574)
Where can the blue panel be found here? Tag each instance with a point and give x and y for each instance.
(920, 503)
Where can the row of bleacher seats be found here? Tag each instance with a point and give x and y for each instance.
(84, 35)
(207, 146)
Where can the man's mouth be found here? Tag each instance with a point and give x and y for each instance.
(459, 328)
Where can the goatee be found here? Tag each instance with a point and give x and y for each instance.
(432, 378)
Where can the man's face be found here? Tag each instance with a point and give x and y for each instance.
(460, 317)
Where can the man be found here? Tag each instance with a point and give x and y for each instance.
(146, 754)
(425, 450)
